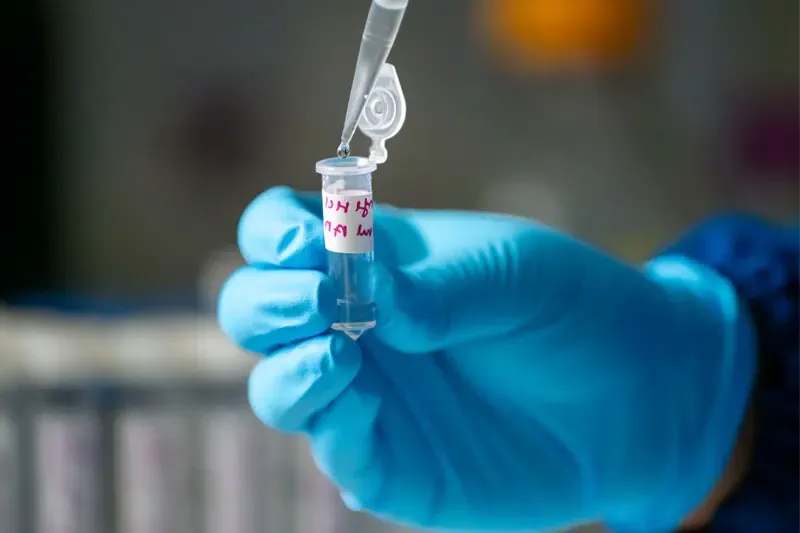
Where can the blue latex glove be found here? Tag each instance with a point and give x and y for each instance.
(518, 380)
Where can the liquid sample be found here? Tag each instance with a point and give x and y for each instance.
(353, 278)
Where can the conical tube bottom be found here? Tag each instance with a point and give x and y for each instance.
(354, 330)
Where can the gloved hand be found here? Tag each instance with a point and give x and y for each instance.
(518, 380)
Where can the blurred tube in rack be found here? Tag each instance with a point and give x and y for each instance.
(236, 487)
(10, 449)
(152, 431)
(68, 472)
(67, 431)
(318, 505)
(10, 475)
(152, 472)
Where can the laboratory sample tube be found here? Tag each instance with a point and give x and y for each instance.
(68, 472)
(248, 485)
(232, 479)
(10, 474)
(67, 428)
(349, 240)
(13, 393)
(153, 431)
(318, 504)
(245, 468)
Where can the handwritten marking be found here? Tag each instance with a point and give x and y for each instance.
(348, 221)
(365, 208)
(338, 229)
(338, 205)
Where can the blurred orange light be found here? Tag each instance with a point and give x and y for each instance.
(533, 33)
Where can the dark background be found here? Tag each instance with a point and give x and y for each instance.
(27, 202)
(138, 131)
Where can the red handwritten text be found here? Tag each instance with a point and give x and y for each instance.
(341, 230)
(337, 206)
(364, 208)
(338, 229)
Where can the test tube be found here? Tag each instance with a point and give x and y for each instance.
(12, 432)
(67, 428)
(349, 240)
(153, 430)
(318, 504)
(9, 475)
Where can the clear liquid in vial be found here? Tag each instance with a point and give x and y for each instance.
(355, 288)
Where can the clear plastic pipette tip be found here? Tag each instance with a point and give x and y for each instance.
(380, 31)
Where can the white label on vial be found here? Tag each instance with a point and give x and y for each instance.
(9, 476)
(152, 468)
(68, 473)
(347, 219)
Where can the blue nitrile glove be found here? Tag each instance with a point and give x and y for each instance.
(517, 380)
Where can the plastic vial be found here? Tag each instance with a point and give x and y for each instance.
(347, 206)
(348, 220)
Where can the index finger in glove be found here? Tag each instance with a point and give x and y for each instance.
(283, 228)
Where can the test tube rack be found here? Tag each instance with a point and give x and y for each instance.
(141, 425)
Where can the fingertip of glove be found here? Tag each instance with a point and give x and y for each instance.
(249, 221)
(259, 309)
(288, 388)
(341, 354)
(278, 228)
(228, 313)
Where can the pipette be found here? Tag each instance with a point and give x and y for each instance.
(383, 22)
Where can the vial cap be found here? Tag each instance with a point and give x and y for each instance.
(349, 166)
(392, 4)
(384, 113)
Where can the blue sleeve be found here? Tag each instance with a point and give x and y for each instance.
(761, 261)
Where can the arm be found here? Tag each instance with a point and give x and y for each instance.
(759, 489)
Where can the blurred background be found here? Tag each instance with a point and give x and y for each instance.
(140, 130)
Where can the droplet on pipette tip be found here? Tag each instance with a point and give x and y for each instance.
(343, 151)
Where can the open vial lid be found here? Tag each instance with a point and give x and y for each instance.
(383, 117)
(349, 166)
(384, 113)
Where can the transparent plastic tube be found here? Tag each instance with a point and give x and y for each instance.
(348, 220)
(10, 461)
